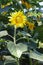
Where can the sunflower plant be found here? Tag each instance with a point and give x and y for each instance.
(20, 32)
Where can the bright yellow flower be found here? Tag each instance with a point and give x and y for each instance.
(30, 25)
(28, 5)
(23, 1)
(18, 19)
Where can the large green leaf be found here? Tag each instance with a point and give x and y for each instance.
(32, 44)
(36, 55)
(17, 49)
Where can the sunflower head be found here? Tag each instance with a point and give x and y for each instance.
(27, 4)
(18, 19)
(30, 25)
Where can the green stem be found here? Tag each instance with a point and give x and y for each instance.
(36, 63)
(18, 61)
(15, 35)
(30, 61)
(21, 38)
(35, 8)
(10, 36)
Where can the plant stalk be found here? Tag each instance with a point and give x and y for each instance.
(17, 59)
(15, 35)
(30, 61)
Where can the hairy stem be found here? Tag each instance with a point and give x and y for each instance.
(15, 35)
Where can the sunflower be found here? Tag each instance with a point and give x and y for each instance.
(27, 4)
(30, 25)
(18, 19)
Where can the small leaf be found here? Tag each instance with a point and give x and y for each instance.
(3, 33)
(26, 34)
(40, 44)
